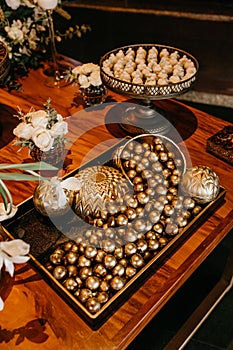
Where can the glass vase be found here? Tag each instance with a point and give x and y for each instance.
(94, 95)
(54, 156)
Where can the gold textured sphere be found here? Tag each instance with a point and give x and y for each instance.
(99, 186)
(201, 183)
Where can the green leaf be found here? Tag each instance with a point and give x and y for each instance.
(29, 166)
(20, 177)
(6, 196)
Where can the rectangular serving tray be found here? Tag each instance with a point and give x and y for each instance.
(43, 237)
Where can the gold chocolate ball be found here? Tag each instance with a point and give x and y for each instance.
(142, 198)
(85, 272)
(137, 260)
(117, 283)
(70, 284)
(141, 245)
(72, 270)
(153, 244)
(90, 251)
(93, 305)
(196, 210)
(140, 225)
(131, 214)
(130, 249)
(118, 270)
(131, 235)
(100, 255)
(83, 261)
(108, 245)
(119, 252)
(102, 297)
(171, 229)
(110, 261)
(59, 272)
(92, 283)
(130, 271)
(71, 257)
(68, 245)
(99, 270)
(84, 294)
(55, 258)
(121, 220)
(104, 286)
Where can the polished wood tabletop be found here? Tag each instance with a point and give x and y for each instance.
(35, 316)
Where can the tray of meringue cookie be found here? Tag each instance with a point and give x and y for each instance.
(124, 212)
(148, 71)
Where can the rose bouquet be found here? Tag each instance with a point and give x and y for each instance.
(43, 128)
(24, 31)
(87, 77)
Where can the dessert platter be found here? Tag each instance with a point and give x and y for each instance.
(133, 206)
(148, 72)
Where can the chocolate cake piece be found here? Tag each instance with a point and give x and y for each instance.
(221, 144)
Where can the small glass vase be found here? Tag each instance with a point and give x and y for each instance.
(94, 95)
(54, 156)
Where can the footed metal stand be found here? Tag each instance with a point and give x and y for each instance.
(145, 117)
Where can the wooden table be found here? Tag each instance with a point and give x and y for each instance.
(34, 316)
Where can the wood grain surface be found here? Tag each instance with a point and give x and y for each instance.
(35, 317)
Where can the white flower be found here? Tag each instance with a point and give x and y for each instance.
(42, 139)
(14, 4)
(24, 131)
(38, 118)
(47, 4)
(76, 71)
(83, 81)
(59, 129)
(86, 75)
(95, 78)
(15, 32)
(13, 252)
(88, 68)
(1, 304)
(59, 117)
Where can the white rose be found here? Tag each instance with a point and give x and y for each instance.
(76, 71)
(42, 139)
(59, 129)
(59, 117)
(47, 4)
(14, 33)
(95, 78)
(83, 81)
(14, 4)
(38, 118)
(88, 68)
(24, 131)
